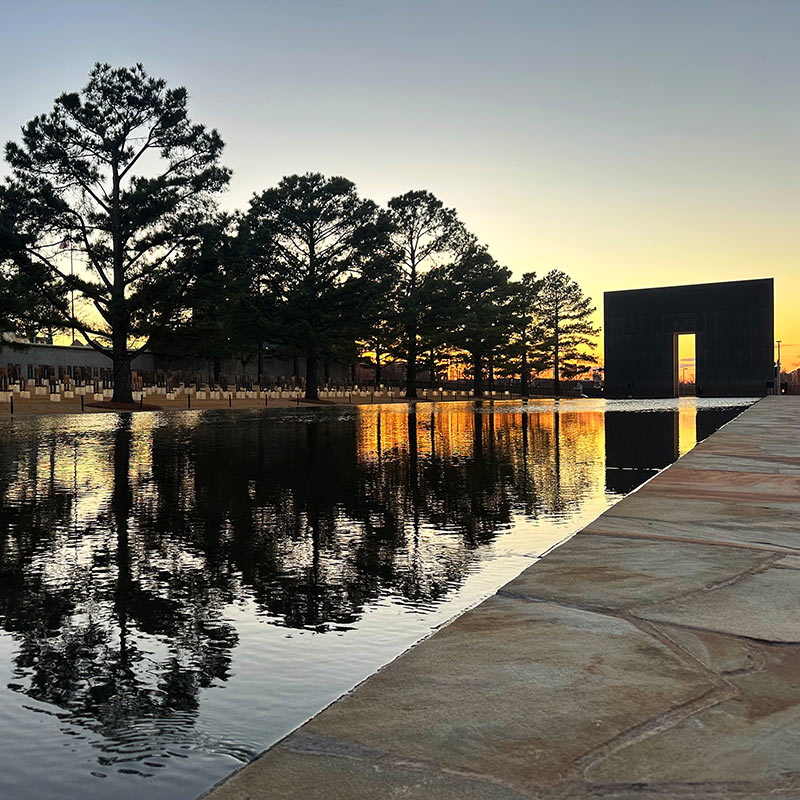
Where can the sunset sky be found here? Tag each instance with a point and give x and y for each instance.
(630, 144)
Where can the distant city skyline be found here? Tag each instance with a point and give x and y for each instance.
(631, 144)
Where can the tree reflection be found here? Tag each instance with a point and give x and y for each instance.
(316, 519)
(104, 632)
(122, 552)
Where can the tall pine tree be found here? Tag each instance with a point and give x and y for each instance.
(317, 246)
(565, 330)
(119, 172)
(477, 302)
(426, 235)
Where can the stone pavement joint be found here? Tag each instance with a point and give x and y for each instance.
(711, 542)
(697, 594)
(655, 655)
(657, 724)
(311, 744)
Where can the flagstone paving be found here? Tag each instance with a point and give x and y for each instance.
(654, 655)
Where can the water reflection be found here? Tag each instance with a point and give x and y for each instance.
(116, 628)
(137, 551)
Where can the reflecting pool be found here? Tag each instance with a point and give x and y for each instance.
(180, 590)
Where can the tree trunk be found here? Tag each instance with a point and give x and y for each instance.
(118, 307)
(412, 449)
(121, 503)
(477, 436)
(477, 375)
(411, 363)
(523, 376)
(121, 369)
(432, 370)
(312, 382)
(377, 368)
(491, 372)
(556, 356)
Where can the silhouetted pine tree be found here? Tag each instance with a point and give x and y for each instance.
(120, 172)
(565, 332)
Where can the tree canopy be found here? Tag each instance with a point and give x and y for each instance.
(426, 234)
(478, 295)
(317, 247)
(118, 177)
(565, 330)
(30, 299)
(119, 172)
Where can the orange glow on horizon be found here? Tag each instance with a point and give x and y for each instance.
(686, 358)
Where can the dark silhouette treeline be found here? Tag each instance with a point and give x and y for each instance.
(119, 177)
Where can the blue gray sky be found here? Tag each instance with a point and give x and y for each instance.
(628, 142)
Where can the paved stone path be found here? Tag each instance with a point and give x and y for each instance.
(654, 655)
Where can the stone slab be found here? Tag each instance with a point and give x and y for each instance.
(732, 462)
(731, 486)
(753, 738)
(515, 690)
(618, 573)
(763, 606)
(744, 524)
(316, 775)
(721, 654)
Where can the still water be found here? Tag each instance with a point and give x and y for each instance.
(179, 591)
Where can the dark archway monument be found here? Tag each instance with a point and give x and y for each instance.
(733, 323)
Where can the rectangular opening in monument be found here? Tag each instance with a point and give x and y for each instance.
(686, 364)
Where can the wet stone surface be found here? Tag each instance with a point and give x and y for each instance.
(670, 516)
(763, 606)
(495, 691)
(754, 737)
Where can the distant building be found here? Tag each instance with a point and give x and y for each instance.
(792, 381)
(37, 361)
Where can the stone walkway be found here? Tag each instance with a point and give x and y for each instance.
(654, 655)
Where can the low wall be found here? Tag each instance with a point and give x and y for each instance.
(25, 359)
